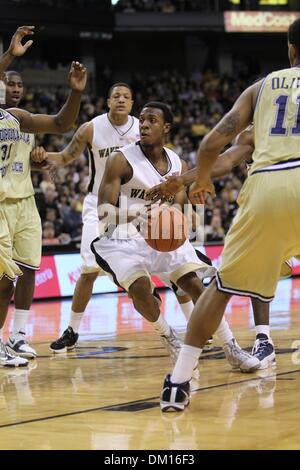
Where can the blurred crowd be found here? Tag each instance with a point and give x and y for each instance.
(129, 6)
(198, 102)
(162, 6)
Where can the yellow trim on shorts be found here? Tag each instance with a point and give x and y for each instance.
(185, 269)
(91, 269)
(134, 277)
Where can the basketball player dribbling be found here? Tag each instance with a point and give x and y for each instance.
(123, 253)
(101, 136)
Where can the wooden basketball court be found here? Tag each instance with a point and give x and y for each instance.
(105, 394)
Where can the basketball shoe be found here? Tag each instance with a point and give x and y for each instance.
(66, 342)
(9, 359)
(240, 359)
(18, 344)
(174, 397)
(263, 350)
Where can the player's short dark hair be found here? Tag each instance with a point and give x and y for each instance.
(294, 34)
(165, 108)
(12, 72)
(119, 84)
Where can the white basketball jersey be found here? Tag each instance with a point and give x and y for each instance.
(144, 177)
(106, 139)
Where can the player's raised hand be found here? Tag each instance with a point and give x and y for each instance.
(163, 191)
(77, 76)
(16, 47)
(199, 190)
(38, 155)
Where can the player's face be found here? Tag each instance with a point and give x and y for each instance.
(120, 101)
(14, 90)
(152, 126)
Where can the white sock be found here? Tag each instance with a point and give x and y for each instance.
(224, 332)
(183, 370)
(264, 329)
(20, 320)
(161, 326)
(1, 332)
(75, 320)
(187, 309)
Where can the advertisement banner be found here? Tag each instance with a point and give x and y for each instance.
(59, 274)
(68, 271)
(46, 279)
(259, 21)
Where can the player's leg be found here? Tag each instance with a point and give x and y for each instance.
(6, 293)
(187, 307)
(184, 300)
(22, 299)
(263, 347)
(6, 358)
(186, 304)
(255, 246)
(84, 286)
(8, 272)
(27, 248)
(82, 295)
(146, 304)
(235, 355)
(125, 261)
(205, 319)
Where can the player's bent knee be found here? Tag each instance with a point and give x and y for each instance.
(190, 282)
(140, 288)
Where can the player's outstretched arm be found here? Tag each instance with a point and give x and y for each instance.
(65, 118)
(223, 133)
(80, 140)
(16, 48)
(241, 151)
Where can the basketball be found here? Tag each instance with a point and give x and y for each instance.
(166, 229)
